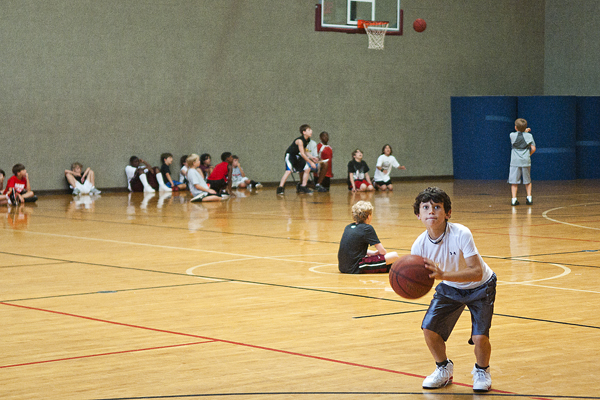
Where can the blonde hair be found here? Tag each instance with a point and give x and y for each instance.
(361, 211)
(192, 158)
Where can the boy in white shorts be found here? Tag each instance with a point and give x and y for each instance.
(451, 256)
(81, 183)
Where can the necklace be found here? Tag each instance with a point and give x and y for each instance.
(438, 240)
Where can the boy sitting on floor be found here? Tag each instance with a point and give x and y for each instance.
(354, 256)
(81, 183)
(18, 188)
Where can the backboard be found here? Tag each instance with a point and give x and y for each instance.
(343, 15)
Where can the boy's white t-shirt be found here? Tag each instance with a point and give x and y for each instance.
(194, 178)
(387, 163)
(321, 149)
(182, 172)
(236, 177)
(311, 148)
(451, 252)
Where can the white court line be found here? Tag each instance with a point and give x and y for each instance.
(275, 258)
(256, 257)
(138, 244)
(190, 271)
(566, 271)
(314, 269)
(304, 255)
(545, 215)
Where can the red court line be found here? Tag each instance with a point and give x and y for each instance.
(240, 344)
(105, 354)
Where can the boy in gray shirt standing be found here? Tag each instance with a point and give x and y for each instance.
(523, 146)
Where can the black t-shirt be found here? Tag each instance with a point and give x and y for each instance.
(353, 247)
(294, 149)
(358, 169)
(164, 170)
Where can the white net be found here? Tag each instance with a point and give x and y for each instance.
(376, 32)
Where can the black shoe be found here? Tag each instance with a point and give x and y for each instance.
(304, 189)
(322, 189)
(199, 197)
(529, 202)
(516, 203)
(14, 199)
(281, 190)
(298, 187)
(31, 199)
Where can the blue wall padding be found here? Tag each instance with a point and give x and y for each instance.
(588, 137)
(552, 120)
(480, 135)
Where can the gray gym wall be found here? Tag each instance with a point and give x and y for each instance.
(100, 80)
(572, 42)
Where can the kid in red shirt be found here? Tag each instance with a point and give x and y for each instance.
(325, 156)
(220, 178)
(18, 187)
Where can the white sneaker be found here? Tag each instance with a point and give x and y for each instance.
(441, 377)
(482, 379)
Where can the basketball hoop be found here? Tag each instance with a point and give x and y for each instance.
(376, 31)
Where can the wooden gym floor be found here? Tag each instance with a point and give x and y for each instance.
(126, 297)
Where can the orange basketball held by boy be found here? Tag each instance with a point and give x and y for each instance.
(409, 278)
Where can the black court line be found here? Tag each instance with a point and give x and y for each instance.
(293, 287)
(407, 250)
(422, 394)
(514, 258)
(216, 279)
(180, 228)
(31, 265)
(387, 314)
(547, 320)
(110, 291)
(248, 345)
(495, 315)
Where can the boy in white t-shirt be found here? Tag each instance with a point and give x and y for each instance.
(239, 178)
(142, 177)
(451, 256)
(199, 189)
(385, 163)
(523, 146)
